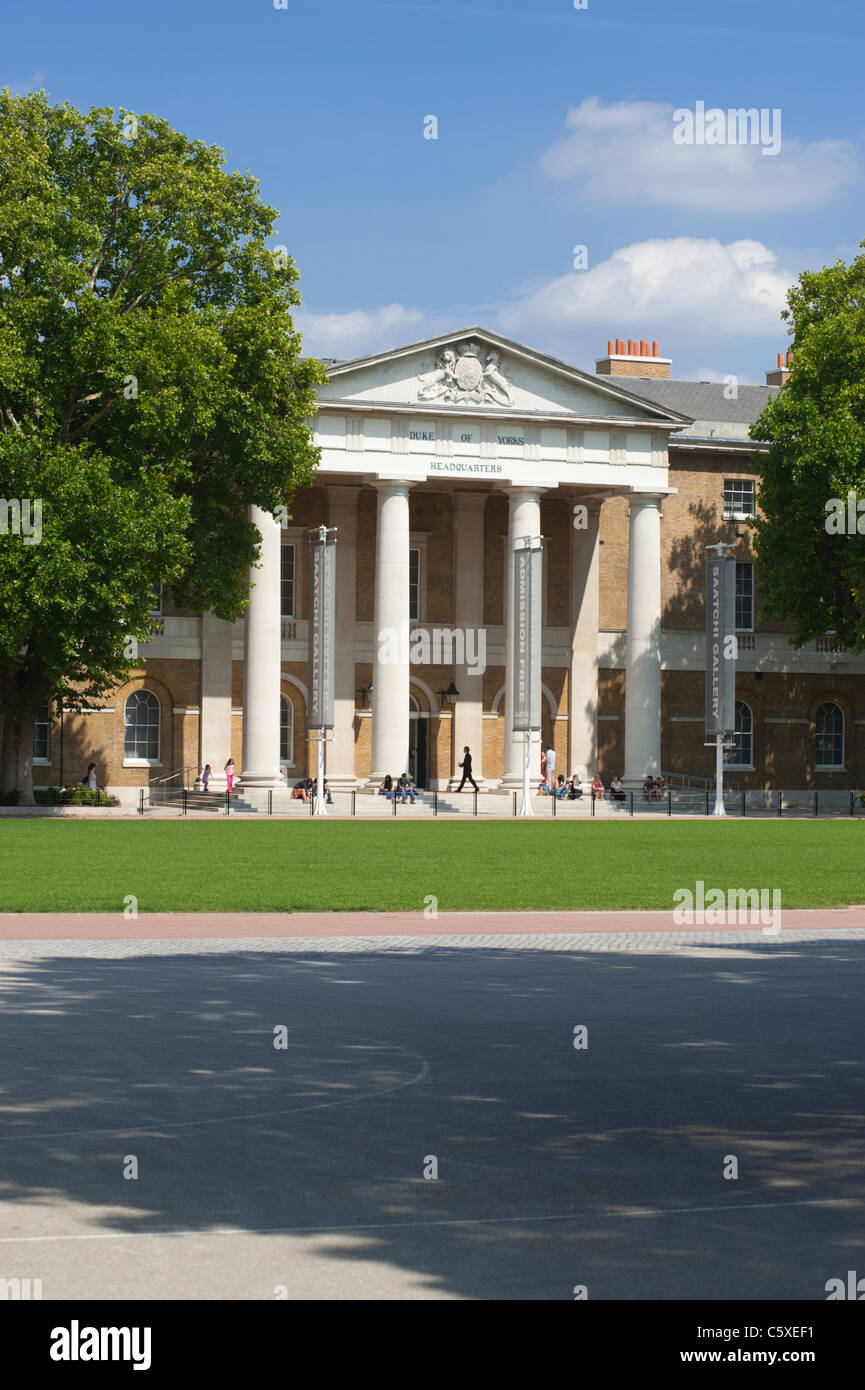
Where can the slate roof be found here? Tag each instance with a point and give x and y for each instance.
(714, 417)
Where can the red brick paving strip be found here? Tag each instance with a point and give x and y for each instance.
(110, 926)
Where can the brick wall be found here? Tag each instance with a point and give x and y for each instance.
(783, 747)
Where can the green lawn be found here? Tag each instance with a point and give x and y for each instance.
(174, 866)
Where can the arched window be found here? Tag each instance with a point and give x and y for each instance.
(742, 752)
(829, 750)
(286, 731)
(41, 734)
(141, 735)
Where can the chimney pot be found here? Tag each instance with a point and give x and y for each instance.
(789, 359)
(631, 357)
(780, 359)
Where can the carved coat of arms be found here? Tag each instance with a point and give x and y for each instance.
(465, 375)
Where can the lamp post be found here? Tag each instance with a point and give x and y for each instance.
(322, 637)
(720, 679)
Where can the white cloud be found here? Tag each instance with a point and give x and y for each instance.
(358, 331)
(624, 153)
(688, 290)
(34, 83)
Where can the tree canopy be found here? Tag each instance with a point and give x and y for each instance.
(151, 388)
(812, 572)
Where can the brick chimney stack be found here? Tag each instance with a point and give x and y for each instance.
(782, 371)
(630, 358)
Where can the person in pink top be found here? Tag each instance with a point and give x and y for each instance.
(229, 774)
(597, 787)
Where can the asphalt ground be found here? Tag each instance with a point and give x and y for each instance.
(299, 1171)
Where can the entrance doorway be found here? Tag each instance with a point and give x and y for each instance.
(417, 743)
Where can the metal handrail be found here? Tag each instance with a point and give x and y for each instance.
(170, 776)
(688, 782)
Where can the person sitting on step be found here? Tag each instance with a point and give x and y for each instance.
(617, 789)
(404, 789)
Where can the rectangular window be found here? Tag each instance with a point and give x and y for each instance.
(41, 727)
(289, 586)
(738, 499)
(744, 597)
(414, 586)
(286, 732)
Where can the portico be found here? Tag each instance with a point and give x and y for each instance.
(459, 444)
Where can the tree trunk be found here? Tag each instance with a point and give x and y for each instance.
(9, 755)
(25, 760)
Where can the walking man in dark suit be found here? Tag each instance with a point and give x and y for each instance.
(466, 766)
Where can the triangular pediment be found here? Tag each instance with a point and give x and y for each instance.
(478, 371)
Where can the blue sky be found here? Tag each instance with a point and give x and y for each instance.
(554, 130)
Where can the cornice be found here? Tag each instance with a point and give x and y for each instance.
(343, 407)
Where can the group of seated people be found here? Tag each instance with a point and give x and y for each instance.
(653, 788)
(399, 788)
(562, 790)
(306, 791)
(572, 789)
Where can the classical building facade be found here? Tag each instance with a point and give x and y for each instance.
(435, 459)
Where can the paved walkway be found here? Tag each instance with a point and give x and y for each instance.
(411, 930)
(303, 1171)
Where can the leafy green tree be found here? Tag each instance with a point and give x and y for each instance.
(151, 388)
(812, 572)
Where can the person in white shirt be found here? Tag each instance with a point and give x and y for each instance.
(551, 767)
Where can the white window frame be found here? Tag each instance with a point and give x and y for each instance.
(418, 540)
(293, 546)
(289, 761)
(831, 767)
(294, 535)
(143, 762)
(749, 765)
(43, 762)
(729, 513)
(749, 565)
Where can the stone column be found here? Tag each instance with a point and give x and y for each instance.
(469, 605)
(524, 519)
(214, 723)
(262, 660)
(643, 673)
(390, 665)
(583, 677)
(342, 505)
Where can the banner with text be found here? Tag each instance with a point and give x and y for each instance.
(527, 639)
(720, 646)
(322, 632)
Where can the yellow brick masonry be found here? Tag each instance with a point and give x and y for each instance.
(693, 516)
